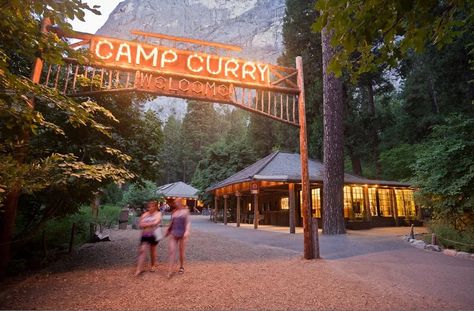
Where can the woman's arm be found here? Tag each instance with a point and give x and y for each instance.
(141, 223)
(188, 225)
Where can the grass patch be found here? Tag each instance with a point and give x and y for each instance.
(449, 237)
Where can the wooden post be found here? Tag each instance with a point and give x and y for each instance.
(292, 206)
(393, 201)
(255, 210)
(309, 239)
(226, 202)
(216, 202)
(368, 212)
(238, 195)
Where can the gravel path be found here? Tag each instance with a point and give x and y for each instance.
(220, 274)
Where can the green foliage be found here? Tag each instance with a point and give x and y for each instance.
(108, 215)
(383, 32)
(300, 40)
(221, 160)
(444, 170)
(450, 236)
(200, 129)
(396, 162)
(112, 194)
(172, 151)
(21, 126)
(139, 193)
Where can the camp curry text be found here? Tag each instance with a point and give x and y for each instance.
(165, 60)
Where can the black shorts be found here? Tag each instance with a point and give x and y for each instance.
(149, 239)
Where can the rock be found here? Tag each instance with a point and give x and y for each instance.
(450, 252)
(432, 247)
(257, 26)
(411, 240)
(463, 255)
(419, 244)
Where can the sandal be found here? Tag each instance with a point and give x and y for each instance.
(181, 270)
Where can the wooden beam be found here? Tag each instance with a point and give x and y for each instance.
(311, 241)
(393, 203)
(238, 195)
(255, 211)
(226, 205)
(216, 202)
(292, 206)
(368, 212)
(187, 40)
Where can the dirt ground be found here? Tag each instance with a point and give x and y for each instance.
(220, 274)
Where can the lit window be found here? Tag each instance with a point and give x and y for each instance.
(284, 203)
(315, 202)
(316, 199)
(409, 202)
(373, 201)
(401, 209)
(358, 202)
(347, 201)
(384, 202)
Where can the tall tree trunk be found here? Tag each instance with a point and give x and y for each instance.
(333, 180)
(355, 160)
(434, 99)
(373, 128)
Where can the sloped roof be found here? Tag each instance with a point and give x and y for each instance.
(281, 166)
(179, 190)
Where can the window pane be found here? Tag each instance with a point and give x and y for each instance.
(384, 202)
(400, 203)
(358, 201)
(373, 201)
(347, 201)
(409, 202)
(316, 200)
(284, 203)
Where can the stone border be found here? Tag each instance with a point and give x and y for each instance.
(436, 248)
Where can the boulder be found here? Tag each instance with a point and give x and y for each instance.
(432, 247)
(419, 244)
(463, 255)
(450, 252)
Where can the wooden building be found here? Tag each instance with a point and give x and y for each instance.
(273, 186)
(181, 191)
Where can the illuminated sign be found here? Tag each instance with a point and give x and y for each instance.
(184, 88)
(167, 61)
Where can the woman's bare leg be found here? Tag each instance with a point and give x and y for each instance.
(153, 255)
(141, 258)
(172, 254)
(182, 245)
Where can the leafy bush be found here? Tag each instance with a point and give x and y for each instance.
(449, 237)
(112, 194)
(139, 193)
(444, 172)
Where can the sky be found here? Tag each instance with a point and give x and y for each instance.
(94, 22)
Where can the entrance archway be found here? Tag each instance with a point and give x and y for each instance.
(182, 67)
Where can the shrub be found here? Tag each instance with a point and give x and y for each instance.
(449, 237)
